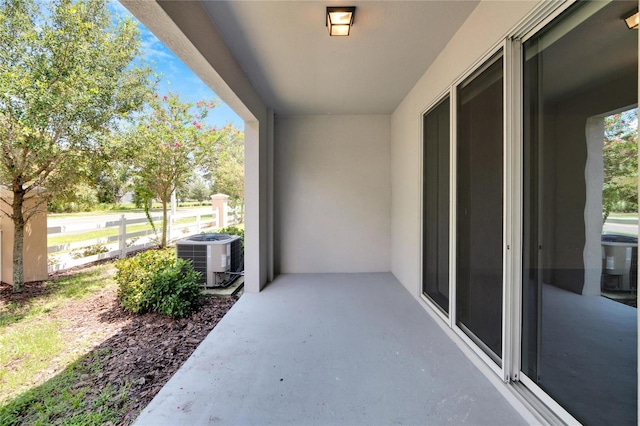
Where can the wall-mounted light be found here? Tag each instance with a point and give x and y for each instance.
(632, 19)
(340, 20)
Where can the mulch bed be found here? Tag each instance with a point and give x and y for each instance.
(146, 352)
(143, 351)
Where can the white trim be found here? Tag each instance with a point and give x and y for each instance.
(488, 59)
(473, 346)
(547, 400)
(507, 78)
(453, 203)
(437, 309)
(420, 121)
(477, 65)
(438, 99)
(538, 18)
(444, 315)
(543, 414)
(513, 209)
(270, 194)
(420, 288)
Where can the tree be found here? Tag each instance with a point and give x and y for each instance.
(111, 179)
(197, 189)
(222, 156)
(620, 154)
(83, 197)
(111, 184)
(165, 139)
(66, 78)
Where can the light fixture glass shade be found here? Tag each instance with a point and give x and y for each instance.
(340, 30)
(339, 20)
(632, 20)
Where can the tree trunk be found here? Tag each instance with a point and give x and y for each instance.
(163, 242)
(18, 238)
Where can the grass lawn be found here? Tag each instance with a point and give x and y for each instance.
(58, 292)
(61, 401)
(37, 342)
(70, 355)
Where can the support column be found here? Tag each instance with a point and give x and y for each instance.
(220, 203)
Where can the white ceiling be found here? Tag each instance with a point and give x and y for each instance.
(287, 54)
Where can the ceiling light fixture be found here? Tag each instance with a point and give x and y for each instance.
(631, 19)
(340, 20)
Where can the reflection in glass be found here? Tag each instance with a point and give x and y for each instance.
(479, 207)
(577, 346)
(435, 238)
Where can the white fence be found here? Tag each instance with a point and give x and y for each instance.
(65, 256)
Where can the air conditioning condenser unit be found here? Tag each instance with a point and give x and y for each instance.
(218, 257)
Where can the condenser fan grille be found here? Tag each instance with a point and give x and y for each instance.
(198, 256)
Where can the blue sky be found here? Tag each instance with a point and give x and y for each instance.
(176, 77)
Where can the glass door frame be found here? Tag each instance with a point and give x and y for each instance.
(513, 164)
(514, 102)
(497, 51)
(439, 99)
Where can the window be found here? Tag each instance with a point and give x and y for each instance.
(578, 347)
(435, 251)
(479, 207)
(535, 311)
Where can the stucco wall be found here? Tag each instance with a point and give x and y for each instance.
(486, 26)
(34, 251)
(332, 194)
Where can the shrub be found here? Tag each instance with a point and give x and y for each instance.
(89, 251)
(157, 281)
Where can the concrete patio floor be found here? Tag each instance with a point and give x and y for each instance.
(329, 349)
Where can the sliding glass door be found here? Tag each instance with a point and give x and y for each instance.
(479, 207)
(435, 195)
(580, 79)
(530, 243)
